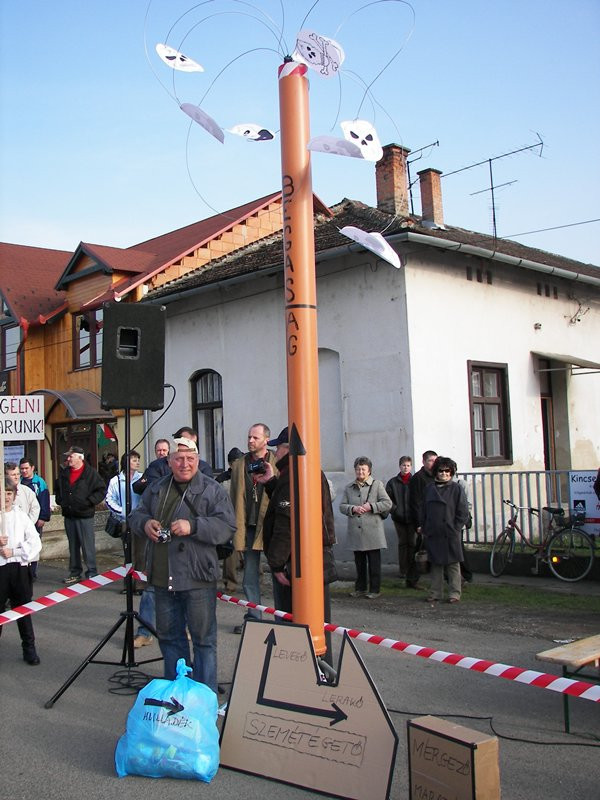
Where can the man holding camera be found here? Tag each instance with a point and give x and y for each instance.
(250, 502)
(184, 516)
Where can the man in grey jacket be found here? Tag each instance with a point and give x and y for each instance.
(184, 516)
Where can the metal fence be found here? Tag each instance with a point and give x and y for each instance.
(488, 490)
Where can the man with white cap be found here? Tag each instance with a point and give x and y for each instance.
(154, 471)
(160, 466)
(79, 490)
(183, 517)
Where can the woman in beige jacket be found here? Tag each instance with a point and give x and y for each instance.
(366, 504)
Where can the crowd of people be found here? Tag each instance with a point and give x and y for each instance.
(177, 515)
(429, 510)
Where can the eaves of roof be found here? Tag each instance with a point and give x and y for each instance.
(173, 246)
(266, 254)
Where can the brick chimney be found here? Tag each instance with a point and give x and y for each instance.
(431, 196)
(391, 179)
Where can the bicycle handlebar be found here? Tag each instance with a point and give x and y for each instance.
(529, 509)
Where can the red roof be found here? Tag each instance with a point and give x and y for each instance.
(133, 260)
(28, 276)
(150, 257)
(172, 246)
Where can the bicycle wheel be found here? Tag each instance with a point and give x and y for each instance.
(501, 553)
(570, 554)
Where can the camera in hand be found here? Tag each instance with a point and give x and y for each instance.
(257, 467)
(164, 536)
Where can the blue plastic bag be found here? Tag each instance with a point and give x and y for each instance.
(171, 731)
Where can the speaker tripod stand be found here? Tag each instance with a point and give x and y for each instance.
(128, 617)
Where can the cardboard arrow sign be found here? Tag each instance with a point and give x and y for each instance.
(285, 722)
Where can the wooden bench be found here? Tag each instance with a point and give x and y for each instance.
(573, 658)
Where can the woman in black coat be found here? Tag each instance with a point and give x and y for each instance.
(445, 513)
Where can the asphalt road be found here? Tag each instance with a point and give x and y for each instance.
(67, 751)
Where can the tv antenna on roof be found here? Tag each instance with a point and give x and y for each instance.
(489, 162)
(420, 152)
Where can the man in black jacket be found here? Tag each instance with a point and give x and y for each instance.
(79, 490)
(277, 540)
(398, 490)
(416, 487)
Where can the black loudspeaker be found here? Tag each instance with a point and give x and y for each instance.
(133, 356)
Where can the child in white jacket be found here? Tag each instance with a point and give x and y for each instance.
(19, 545)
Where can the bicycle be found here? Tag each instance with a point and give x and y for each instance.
(568, 551)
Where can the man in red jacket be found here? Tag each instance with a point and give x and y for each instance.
(79, 490)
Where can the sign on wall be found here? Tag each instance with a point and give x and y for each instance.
(583, 500)
(21, 417)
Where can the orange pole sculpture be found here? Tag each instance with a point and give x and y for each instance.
(302, 353)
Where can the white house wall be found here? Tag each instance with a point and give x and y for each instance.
(402, 364)
(452, 320)
(239, 332)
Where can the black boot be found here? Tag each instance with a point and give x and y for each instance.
(30, 655)
(28, 641)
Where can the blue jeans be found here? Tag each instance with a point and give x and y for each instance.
(81, 536)
(251, 581)
(147, 611)
(196, 608)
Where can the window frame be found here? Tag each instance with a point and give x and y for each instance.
(211, 450)
(94, 318)
(6, 364)
(503, 403)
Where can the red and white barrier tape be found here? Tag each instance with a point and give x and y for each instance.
(87, 585)
(542, 680)
(529, 677)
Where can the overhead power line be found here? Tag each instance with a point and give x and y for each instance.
(555, 228)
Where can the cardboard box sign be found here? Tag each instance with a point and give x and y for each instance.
(450, 762)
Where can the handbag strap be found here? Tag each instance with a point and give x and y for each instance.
(367, 500)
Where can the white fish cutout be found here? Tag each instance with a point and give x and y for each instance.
(332, 144)
(176, 60)
(373, 242)
(202, 118)
(251, 131)
(362, 133)
(320, 53)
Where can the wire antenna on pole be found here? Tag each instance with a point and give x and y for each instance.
(489, 162)
(418, 153)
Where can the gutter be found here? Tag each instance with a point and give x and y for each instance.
(171, 298)
(492, 255)
(271, 269)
